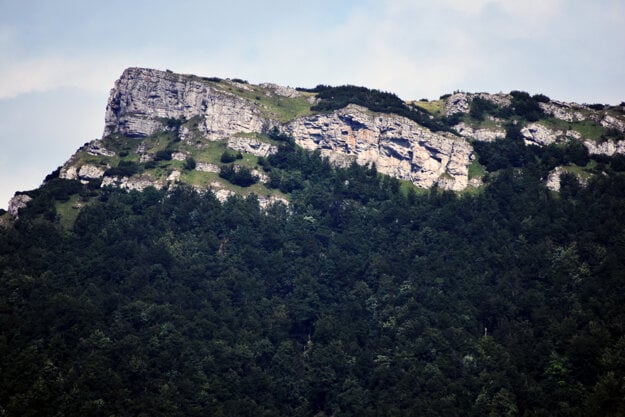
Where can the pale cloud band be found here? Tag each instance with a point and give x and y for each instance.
(414, 48)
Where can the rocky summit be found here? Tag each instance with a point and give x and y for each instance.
(163, 128)
(144, 100)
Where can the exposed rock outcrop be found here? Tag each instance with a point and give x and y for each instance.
(396, 145)
(553, 181)
(457, 103)
(84, 172)
(461, 102)
(569, 112)
(139, 183)
(179, 156)
(251, 145)
(265, 202)
(483, 135)
(69, 172)
(609, 147)
(96, 148)
(281, 90)
(499, 99)
(174, 176)
(612, 123)
(537, 134)
(143, 101)
(90, 172)
(146, 101)
(17, 202)
(197, 110)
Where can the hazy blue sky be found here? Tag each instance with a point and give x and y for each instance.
(59, 59)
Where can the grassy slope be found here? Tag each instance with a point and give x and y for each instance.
(587, 128)
(435, 107)
(282, 109)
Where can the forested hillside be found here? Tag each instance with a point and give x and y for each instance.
(362, 297)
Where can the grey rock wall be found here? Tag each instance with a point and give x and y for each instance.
(143, 100)
(396, 145)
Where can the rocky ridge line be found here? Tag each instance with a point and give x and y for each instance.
(144, 100)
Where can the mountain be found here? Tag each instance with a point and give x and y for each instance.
(155, 120)
(358, 255)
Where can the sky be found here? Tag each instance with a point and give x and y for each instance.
(59, 59)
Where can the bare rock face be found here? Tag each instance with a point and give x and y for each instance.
(569, 112)
(537, 134)
(613, 123)
(553, 181)
(19, 201)
(146, 101)
(83, 173)
(96, 148)
(457, 103)
(461, 102)
(281, 90)
(396, 145)
(252, 145)
(89, 171)
(131, 183)
(179, 156)
(69, 172)
(143, 100)
(266, 202)
(499, 99)
(483, 135)
(221, 193)
(608, 148)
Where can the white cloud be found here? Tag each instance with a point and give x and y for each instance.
(531, 9)
(6, 37)
(521, 9)
(399, 49)
(471, 7)
(41, 74)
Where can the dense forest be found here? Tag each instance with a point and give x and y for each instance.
(362, 297)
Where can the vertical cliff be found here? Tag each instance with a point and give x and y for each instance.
(154, 114)
(144, 102)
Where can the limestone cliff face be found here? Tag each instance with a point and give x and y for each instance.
(396, 145)
(143, 100)
(154, 116)
(577, 116)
